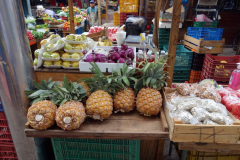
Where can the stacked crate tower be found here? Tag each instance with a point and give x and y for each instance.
(7, 149)
(126, 7)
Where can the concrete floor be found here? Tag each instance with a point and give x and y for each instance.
(174, 155)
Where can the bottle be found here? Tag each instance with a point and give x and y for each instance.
(149, 56)
(143, 44)
(234, 81)
(140, 58)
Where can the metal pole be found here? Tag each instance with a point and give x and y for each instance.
(16, 74)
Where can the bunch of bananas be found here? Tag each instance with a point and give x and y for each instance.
(104, 41)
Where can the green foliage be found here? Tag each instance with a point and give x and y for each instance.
(100, 82)
(37, 35)
(152, 74)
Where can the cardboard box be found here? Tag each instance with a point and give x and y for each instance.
(167, 16)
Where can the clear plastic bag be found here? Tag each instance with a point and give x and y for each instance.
(75, 39)
(74, 48)
(183, 88)
(56, 46)
(221, 119)
(171, 95)
(210, 94)
(40, 53)
(50, 40)
(30, 19)
(209, 122)
(199, 113)
(195, 90)
(187, 105)
(183, 116)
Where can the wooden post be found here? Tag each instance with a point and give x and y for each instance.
(156, 22)
(177, 4)
(106, 11)
(140, 8)
(72, 26)
(99, 13)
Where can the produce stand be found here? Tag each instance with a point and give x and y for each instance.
(39, 40)
(32, 42)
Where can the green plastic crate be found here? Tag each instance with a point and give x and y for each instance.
(95, 149)
(205, 24)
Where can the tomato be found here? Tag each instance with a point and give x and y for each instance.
(228, 88)
(235, 107)
(236, 116)
(223, 92)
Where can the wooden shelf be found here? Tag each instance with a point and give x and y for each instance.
(118, 126)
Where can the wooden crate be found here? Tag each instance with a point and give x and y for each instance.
(198, 45)
(97, 35)
(179, 132)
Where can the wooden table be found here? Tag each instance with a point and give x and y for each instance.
(150, 130)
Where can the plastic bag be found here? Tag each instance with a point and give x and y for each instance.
(199, 113)
(38, 54)
(50, 40)
(194, 90)
(30, 25)
(210, 94)
(221, 119)
(209, 122)
(184, 89)
(56, 46)
(171, 95)
(30, 19)
(183, 116)
(210, 105)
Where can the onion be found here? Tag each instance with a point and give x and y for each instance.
(123, 54)
(131, 55)
(84, 52)
(124, 47)
(115, 49)
(129, 62)
(115, 56)
(90, 58)
(121, 60)
(103, 58)
(129, 49)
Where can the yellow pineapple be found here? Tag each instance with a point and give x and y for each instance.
(149, 99)
(70, 115)
(99, 105)
(41, 115)
(124, 100)
(86, 87)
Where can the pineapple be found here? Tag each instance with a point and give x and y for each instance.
(86, 87)
(41, 114)
(70, 115)
(124, 100)
(149, 99)
(99, 105)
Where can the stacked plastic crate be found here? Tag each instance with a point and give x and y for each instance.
(116, 19)
(128, 7)
(163, 38)
(7, 149)
(196, 68)
(182, 65)
(69, 148)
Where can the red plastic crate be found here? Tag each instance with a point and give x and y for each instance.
(5, 134)
(7, 152)
(215, 67)
(194, 76)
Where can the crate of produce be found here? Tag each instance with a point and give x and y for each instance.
(203, 46)
(205, 24)
(181, 132)
(194, 76)
(116, 18)
(1, 106)
(69, 148)
(219, 68)
(7, 151)
(195, 155)
(123, 16)
(205, 33)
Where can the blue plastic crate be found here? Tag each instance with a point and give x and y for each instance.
(205, 33)
(95, 149)
(1, 106)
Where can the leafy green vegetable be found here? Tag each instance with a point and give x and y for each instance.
(37, 35)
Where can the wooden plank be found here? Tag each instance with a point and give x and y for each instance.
(191, 46)
(148, 149)
(99, 13)
(177, 4)
(72, 26)
(210, 147)
(213, 43)
(164, 121)
(210, 51)
(160, 149)
(117, 126)
(156, 23)
(203, 138)
(207, 129)
(191, 39)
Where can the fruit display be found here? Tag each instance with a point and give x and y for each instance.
(51, 56)
(71, 113)
(231, 99)
(66, 25)
(74, 48)
(114, 55)
(112, 33)
(191, 108)
(104, 41)
(95, 29)
(30, 36)
(75, 39)
(72, 56)
(56, 46)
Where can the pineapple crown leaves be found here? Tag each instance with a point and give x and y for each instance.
(42, 91)
(123, 76)
(100, 82)
(68, 91)
(152, 74)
